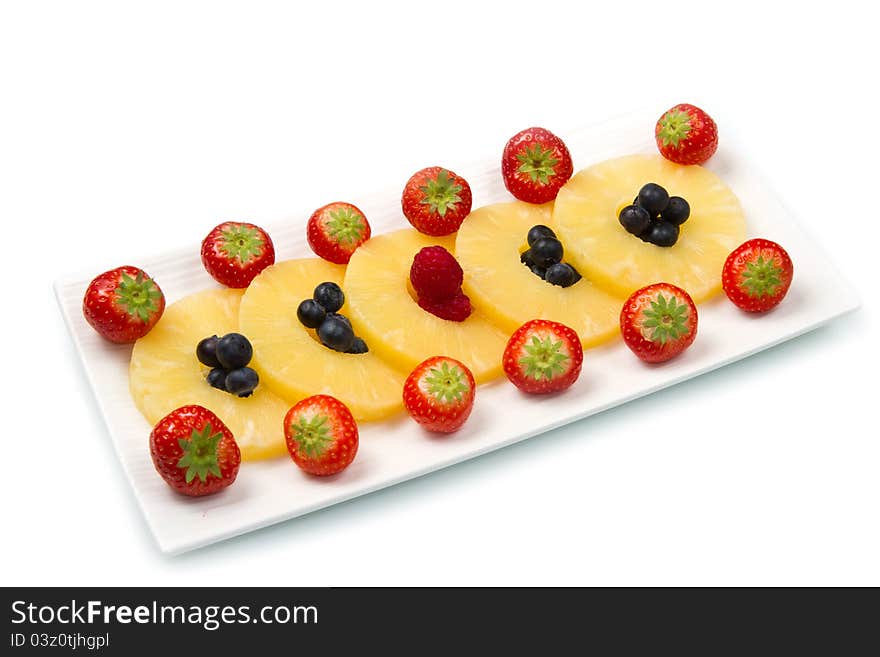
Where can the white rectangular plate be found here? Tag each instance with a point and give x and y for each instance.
(397, 450)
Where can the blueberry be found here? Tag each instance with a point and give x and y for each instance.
(335, 333)
(635, 219)
(561, 274)
(676, 211)
(537, 232)
(242, 381)
(653, 198)
(330, 296)
(310, 313)
(234, 351)
(645, 235)
(217, 378)
(663, 233)
(340, 318)
(206, 351)
(526, 259)
(546, 251)
(358, 347)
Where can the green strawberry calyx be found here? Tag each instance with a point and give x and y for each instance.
(241, 242)
(312, 434)
(441, 193)
(761, 277)
(446, 383)
(544, 358)
(666, 320)
(200, 454)
(139, 296)
(675, 126)
(345, 225)
(538, 163)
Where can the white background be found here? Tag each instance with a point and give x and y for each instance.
(129, 130)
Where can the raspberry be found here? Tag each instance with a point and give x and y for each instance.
(435, 274)
(456, 309)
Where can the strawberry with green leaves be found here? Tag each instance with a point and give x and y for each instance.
(658, 322)
(685, 134)
(234, 252)
(439, 394)
(335, 230)
(321, 435)
(194, 451)
(543, 356)
(123, 304)
(756, 275)
(436, 200)
(535, 164)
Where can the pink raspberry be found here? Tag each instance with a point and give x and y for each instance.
(435, 274)
(456, 309)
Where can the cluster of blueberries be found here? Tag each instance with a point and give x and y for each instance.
(228, 358)
(655, 216)
(334, 330)
(544, 258)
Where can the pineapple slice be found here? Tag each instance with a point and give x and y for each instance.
(585, 218)
(489, 245)
(383, 308)
(291, 359)
(165, 374)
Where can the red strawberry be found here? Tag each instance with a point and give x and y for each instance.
(439, 394)
(336, 230)
(455, 309)
(435, 274)
(235, 252)
(535, 164)
(123, 304)
(658, 322)
(757, 275)
(436, 200)
(321, 434)
(194, 451)
(543, 356)
(685, 134)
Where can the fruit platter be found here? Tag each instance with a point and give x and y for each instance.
(279, 369)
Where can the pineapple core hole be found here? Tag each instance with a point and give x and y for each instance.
(313, 334)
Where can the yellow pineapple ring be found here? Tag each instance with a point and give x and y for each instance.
(585, 218)
(292, 361)
(391, 321)
(165, 374)
(489, 245)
